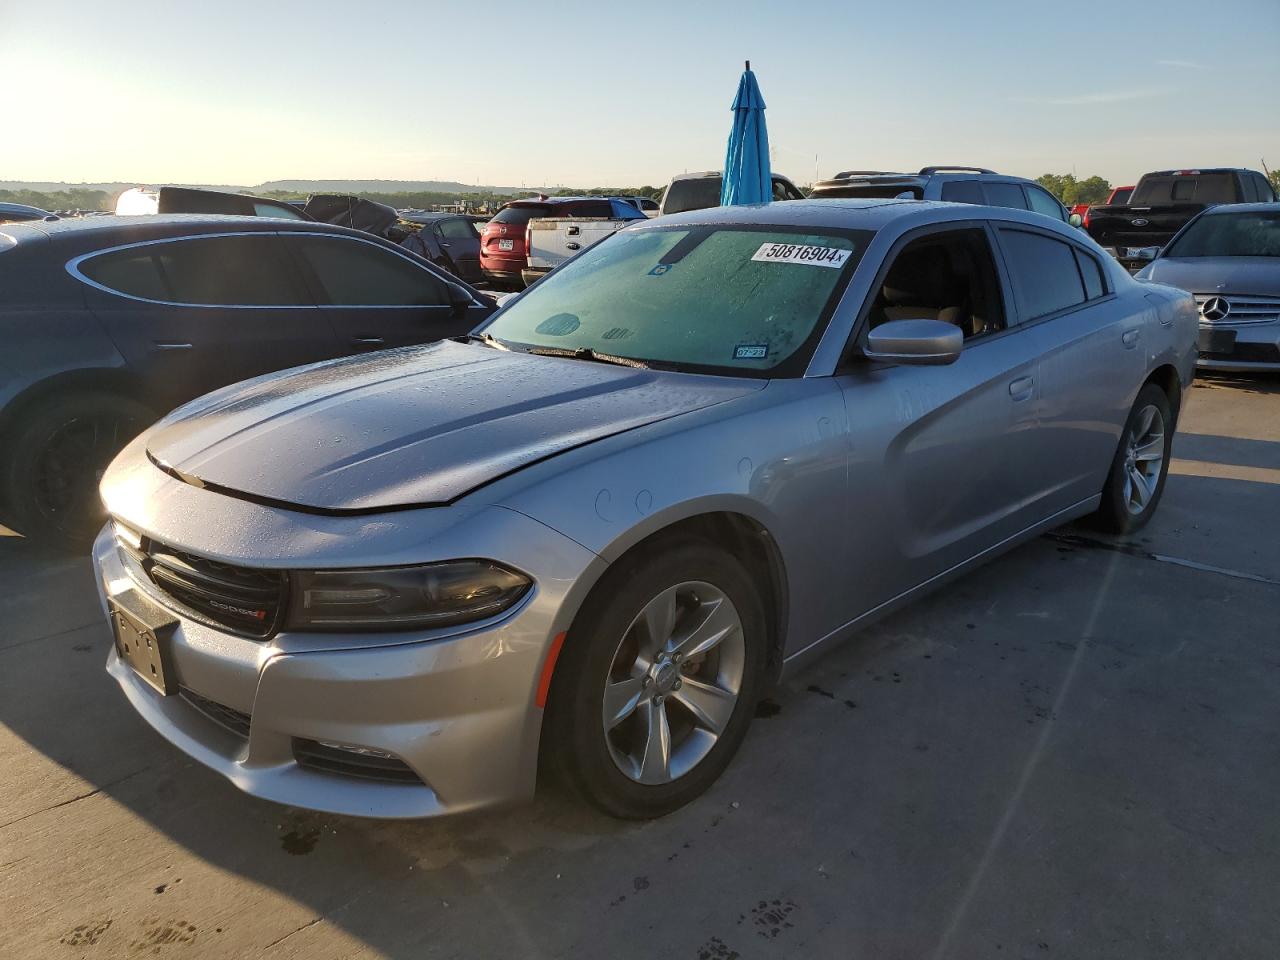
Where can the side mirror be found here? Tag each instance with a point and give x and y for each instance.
(1076, 220)
(916, 342)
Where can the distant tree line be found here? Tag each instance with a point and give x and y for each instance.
(74, 199)
(1071, 191)
(79, 199)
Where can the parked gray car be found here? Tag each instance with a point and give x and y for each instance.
(1229, 258)
(582, 542)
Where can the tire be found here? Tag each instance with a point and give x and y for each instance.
(57, 453)
(613, 768)
(1136, 481)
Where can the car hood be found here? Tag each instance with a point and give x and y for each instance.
(420, 426)
(1218, 275)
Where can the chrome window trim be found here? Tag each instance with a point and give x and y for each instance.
(72, 267)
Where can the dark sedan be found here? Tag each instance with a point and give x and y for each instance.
(109, 322)
(449, 240)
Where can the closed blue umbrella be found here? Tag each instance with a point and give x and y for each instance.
(746, 163)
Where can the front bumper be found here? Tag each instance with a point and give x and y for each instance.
(458, 710)
(1241, 349)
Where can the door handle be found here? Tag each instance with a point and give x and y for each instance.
(367, 341)
(1130, 337)
(1022, 388)
(169, 345)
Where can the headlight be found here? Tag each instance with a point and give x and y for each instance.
(402, 598)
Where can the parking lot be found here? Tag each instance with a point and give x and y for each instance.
(1069, 753)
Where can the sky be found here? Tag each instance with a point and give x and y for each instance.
(599, 94)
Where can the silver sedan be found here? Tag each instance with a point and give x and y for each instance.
(1229, 258)
(581, 542)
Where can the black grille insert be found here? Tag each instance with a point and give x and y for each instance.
(247, 601)
(348, 763)
(232, 720)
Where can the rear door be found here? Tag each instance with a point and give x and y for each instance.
(460, 240)
(196, 313)
(374, 296)
(1092, 360)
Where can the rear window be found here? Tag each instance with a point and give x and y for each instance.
(520, 215)
(1188, 188)
(696, 194)
(1121, 196)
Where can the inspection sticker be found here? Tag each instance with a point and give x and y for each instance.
(801, 253)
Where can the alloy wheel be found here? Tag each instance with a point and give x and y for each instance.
(1143, 459)
(68, 469)
(674, 682)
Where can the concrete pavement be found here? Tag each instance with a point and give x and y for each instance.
(1069, 753)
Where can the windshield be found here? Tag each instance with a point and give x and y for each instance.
(1230, 235)
(726, 299)
(695, 193)
(1154, 191)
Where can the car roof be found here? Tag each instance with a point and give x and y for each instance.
(1226, 209)
(94, 232)
(850, 214)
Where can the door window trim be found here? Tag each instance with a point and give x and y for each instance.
(1109, 292)
(72, 267)
(850, 356)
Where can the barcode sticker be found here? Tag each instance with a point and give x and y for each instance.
(801, 253)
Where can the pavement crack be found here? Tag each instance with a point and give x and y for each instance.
(1129, 550)
(84, 796)
(310, 923)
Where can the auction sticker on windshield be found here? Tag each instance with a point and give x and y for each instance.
(802, 253)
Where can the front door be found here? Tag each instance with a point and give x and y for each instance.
(373, 296)
(940, 454)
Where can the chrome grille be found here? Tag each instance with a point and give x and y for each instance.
(1243, 309)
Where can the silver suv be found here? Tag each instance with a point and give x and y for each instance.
(955, 184)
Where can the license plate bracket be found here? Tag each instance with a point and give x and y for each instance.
(143, 639)
(1217, 341)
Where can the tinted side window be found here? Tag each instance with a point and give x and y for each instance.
(1005, 195)
(209, 271)
(352, 273)
(963, 191)
(1041, 202)
(1265, 193)
(132, 272)
(1044, 272)
(1091, 272)
(458, 229)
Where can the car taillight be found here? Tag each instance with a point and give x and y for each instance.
(528, 238)
(1084, 222)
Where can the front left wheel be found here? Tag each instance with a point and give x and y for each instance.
(658, 680)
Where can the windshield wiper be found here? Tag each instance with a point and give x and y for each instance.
(486, 338)
(586, 353)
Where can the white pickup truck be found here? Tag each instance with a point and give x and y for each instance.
(550, 241)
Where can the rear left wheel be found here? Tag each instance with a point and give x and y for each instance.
(1138, 471)
(658, 680)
